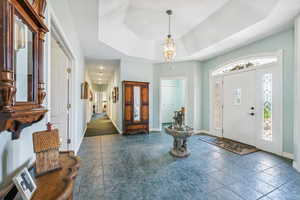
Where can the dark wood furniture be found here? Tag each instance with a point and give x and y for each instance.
(135, 107)
(55, 185)
(22, 37)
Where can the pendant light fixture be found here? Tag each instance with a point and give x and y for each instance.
(169, 46)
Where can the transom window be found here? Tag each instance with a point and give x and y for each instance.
(244, 64)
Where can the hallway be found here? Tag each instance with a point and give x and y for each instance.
(139, 167)
(99, 125)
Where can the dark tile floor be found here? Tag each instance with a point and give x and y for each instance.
(140, 168)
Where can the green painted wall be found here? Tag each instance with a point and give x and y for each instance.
(284, 41)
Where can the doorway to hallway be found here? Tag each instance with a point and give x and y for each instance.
(172, 98)
(100, 102)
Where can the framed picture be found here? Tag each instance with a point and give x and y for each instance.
(91, 95)
(84, 90)
(117, 93)
(25, 184)
(113, 94)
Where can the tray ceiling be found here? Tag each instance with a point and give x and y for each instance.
(136, 28)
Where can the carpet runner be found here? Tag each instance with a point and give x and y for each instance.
(230, 145)
(100, 125)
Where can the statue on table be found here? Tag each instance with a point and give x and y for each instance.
(179, 119)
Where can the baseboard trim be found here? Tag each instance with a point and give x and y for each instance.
(155, 130)
(296, 166)
(288, 155)
(198, 132)
(81, 139)
(119, 131)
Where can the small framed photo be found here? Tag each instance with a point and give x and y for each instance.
(25, 184)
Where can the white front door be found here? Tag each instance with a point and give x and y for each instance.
(239, 119)
(252, 108)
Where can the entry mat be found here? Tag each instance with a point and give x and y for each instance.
(230, 145)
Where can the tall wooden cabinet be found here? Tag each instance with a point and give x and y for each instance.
(135, 107)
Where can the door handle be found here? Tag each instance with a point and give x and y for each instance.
(252, 113)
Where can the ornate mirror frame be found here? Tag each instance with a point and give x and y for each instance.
(14, 116)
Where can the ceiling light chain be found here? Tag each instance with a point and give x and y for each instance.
(169, 24)
(169, 47)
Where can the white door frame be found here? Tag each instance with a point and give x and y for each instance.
(57, 33)
(296, 138)
(184, 79)
(278, 54)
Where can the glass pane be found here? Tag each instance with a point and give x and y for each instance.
(237, 97)
(244, 64)
(137, 103)
(217, 106)
(267, 107)
(23, 61)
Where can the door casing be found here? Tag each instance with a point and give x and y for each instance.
(279, 84)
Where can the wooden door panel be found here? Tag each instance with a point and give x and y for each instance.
(145, 113)
(128, 113)
(145, 95)
(128, 94)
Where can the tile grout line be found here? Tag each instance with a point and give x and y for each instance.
(102, 165)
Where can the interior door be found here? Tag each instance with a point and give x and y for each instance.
(59, 93)
(168, 103)
(239, 120)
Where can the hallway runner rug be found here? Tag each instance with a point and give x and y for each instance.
(230, 145)
(100, 126)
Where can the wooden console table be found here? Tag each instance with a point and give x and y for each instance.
(56, 185)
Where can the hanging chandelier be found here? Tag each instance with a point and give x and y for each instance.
(169, 46)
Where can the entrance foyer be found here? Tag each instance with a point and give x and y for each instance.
(240, 79)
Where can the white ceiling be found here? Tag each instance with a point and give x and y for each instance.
(102, 71)
(116, 29)
(149, 21)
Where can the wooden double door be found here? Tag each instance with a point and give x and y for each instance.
(135, 107)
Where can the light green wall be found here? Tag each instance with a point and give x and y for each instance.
(280, 41)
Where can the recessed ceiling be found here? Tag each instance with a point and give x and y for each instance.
(136, 28)
(149, 21)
